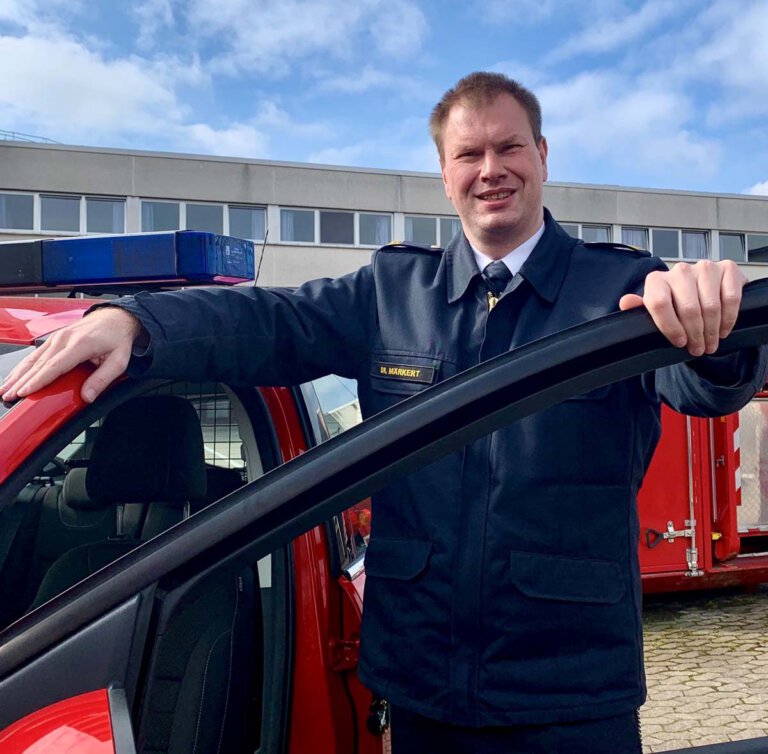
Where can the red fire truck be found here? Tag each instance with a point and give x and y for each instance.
(704, 502)
(168, 584)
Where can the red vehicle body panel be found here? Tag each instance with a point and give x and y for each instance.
(693, 489)
(327, 619)
(32, 421)
(80, 725)
(22, 320)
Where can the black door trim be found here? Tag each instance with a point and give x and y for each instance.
(272, 510)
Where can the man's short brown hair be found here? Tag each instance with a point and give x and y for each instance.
(478, 89)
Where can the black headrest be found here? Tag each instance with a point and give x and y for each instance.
(221, 481)
(74, 494)
(149, 449)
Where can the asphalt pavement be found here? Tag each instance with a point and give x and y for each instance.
(706, 658)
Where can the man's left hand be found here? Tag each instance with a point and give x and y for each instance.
(694, 306)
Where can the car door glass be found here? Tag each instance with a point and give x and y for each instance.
(63, 525)
(338, 400)
(337, 397)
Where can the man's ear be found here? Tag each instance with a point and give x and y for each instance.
(543, 151)
(445, 181)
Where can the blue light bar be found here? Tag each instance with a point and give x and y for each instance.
(183, 255)
(180, 257)
(21, 263)
(203, 254)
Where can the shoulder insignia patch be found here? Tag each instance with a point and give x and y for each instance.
(608, 246)
(413, 247)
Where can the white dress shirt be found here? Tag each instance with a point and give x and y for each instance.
(515, 258)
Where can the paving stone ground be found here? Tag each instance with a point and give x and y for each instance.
(706, 661)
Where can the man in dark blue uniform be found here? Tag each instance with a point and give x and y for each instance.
(502, 608)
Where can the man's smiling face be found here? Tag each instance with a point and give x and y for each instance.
(493, 172)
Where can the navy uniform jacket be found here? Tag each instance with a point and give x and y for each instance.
(503, 583)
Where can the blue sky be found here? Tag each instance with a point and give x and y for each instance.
(656, 93)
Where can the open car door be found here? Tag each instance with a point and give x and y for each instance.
(87, 638)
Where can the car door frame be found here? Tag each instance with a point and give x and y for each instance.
(271, 511)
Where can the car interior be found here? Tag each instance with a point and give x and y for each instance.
(133, 473)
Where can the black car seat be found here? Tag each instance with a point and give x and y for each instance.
(19, 524)
(201, 678)
(68, 518)
(149, 451)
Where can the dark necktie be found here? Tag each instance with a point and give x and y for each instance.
(496, 276)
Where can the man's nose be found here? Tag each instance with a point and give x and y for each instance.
(492, 167)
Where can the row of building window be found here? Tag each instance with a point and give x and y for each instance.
(335, 227)
(230, 219)
(672, 243)
(77, 214)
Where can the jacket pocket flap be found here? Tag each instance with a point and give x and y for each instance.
(402, 559)
(555, 577)
(397, 388)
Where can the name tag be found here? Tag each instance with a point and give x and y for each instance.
(406, 372)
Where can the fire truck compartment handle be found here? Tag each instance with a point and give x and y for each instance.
(653, 537)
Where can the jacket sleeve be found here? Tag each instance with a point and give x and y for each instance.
(707, 385)
(709, 388)
(244, 335)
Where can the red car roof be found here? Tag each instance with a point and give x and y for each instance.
(23, 320)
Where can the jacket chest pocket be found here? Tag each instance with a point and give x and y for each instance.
(393, 376)
(585, 439)
(403, 373)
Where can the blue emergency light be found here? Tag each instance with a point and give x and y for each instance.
(183, 257)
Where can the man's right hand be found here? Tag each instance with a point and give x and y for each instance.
(105, 338)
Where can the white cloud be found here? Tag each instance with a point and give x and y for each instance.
(239, 139)
(759, 189)
(270, 116)
(273, 35)
(12, 10)
(350, 154)
(30, 13)
(522, 11)
(369, 79)
(401, 27)
(360, 81)
(614, 33)
(733, 56)
(531, 12)
(384, 152)
(128, 100)
(735, 46)
(528, 76)
(69, 90)
(152, 16)
(66, 89)
(632, 125)
(405, 146)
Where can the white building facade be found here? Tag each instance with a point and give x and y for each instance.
(319, 221)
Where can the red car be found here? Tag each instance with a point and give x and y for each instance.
(258, 655)
(170, 585)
